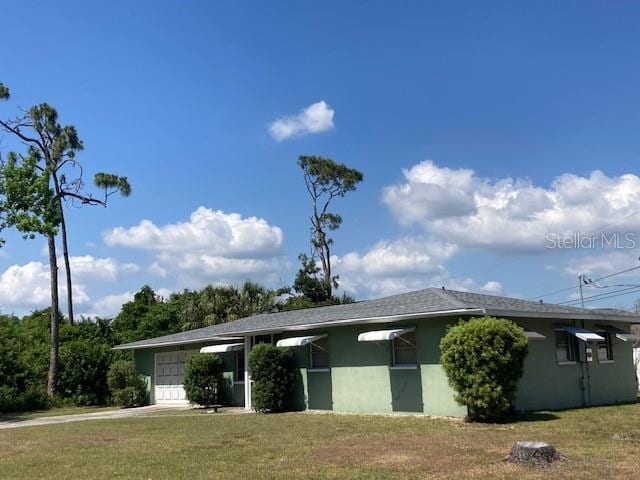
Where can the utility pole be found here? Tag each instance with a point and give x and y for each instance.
(584, 362)
(581, 280)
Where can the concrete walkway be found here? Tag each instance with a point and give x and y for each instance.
(79, 417)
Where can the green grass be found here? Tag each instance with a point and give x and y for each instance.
(52, 412)
(303, 445)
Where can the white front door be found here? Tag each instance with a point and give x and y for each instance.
(169, 377)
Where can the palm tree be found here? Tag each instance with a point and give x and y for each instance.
(219, 304)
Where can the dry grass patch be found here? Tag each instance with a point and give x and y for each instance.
(293, 446)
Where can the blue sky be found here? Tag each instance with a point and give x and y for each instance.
(515, 104)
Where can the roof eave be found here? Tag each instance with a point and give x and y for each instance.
(568, 316)
(217, 338)
(310, 326)
(365, 320)
(236, 335)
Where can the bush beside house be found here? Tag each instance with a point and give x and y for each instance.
(204, 383)
(484, 359)
(272, 372)
(127, 386)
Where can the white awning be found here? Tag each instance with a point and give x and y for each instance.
(381, 335)
(621, 334)
(628, 337)
(534, 335)
(583, 334)
(225, 347)
(299, 341)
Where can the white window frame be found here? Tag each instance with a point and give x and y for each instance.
(311, 346)
(404, 366)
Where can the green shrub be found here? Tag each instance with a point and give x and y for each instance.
(204, 383)
(12, 400)
(272, 372)
(84, 365)
(127, 386)
(483, 359)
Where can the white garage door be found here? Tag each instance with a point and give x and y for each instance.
(169, 377)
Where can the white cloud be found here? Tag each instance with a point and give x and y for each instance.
(164, 292)
(156, 269)
(214, 231)
(27, 286)
(399, 257)
(108, 306)
(24, 285)
(597, 265)
(105, 269)
(492, 287)
(508, 215)
(389, 267)
(316, 118)
(225, 267)
(211, 247)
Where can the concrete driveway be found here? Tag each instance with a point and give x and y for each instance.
(79, 417)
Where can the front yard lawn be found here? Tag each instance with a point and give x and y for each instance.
(301, 445)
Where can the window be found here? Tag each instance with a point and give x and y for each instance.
(319, 353)
(565, 347)
(404, 350)
(239, 372)
(605, 352)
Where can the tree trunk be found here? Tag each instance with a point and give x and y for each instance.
(52, 381)
(536, 453)
(67, 266)
(327, 271)
(321, 247)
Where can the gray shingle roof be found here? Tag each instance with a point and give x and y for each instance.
(431, 301)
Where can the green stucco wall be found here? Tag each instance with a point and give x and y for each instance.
(144, 360)
(547, 385)
(361, 380)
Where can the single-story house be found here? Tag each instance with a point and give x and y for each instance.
(383, 355)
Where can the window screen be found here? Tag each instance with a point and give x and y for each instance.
(404, 349)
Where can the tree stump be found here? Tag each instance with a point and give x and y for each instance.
(533, 453)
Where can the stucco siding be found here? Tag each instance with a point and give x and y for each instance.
(361, 378)
(613, 382)
(144, 361)
(545, 384)
(438, 396)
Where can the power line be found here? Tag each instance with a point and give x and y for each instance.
(618, 295)
(552, 293)
(618, 273)
(627, 270)
(603, 295)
